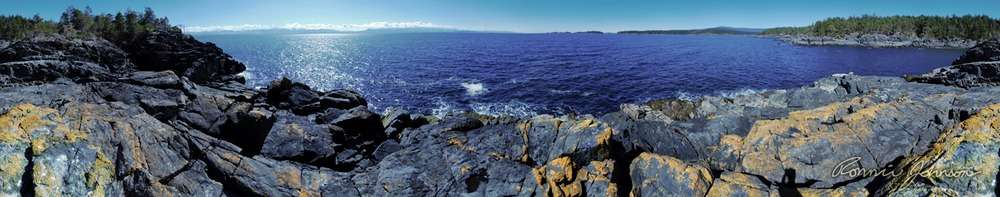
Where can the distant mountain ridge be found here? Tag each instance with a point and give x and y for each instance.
(714, 30)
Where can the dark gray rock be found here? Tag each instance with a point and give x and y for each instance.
(49, 70)
(966, 75)
(342, 99)
(45, 58)
(986, 51)
(358, 124)
(163, 104)
(247, 126)
(298, 139)
(163, 79)
(395, 120)
(261, 176)
(979, 66)
(302, 100)
(60, 48)
(194, 181)
(201, 62)
(658, 175)
(878, 40)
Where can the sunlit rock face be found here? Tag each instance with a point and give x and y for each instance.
(81, 117)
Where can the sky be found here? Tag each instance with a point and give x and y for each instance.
(504, 15)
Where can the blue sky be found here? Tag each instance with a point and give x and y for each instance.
(511, 15)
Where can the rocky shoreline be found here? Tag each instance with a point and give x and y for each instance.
(171, 116)
(876, 40)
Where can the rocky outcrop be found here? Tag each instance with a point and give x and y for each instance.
(980, 66)
(47, 58)
(988, 51)
(876, 40)
(188, 57)
(80, 116)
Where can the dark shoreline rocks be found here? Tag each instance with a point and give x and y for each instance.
(876, 40)
(80, 116)
(978, 67)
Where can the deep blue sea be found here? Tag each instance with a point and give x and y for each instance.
(526, 74)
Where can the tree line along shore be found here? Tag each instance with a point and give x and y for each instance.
(971, 27)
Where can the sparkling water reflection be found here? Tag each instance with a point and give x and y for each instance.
(525, 74)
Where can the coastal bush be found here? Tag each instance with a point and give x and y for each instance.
(972, 27)
(122, 27)
(12, 27)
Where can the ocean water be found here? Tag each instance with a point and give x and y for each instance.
(527, 74)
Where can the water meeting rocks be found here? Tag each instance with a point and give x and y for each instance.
(168, 114)
(979, 66)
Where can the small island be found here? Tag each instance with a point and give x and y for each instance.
(707, 31)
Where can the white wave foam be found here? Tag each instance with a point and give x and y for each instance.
(474, 89)
(688, 96)
(554, 91)
(682, 95)
(512, 108)
(740, 92)
(442, 108)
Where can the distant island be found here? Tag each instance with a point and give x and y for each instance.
(894, 31)
(579, 32)
(713, 30)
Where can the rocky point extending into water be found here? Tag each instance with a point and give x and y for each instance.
(876, 40)
(171, 116)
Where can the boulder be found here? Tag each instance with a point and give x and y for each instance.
(298, 139)
(395, 120)
(358, 123)
(342, 99)
(247, 126)
(262, 176)
(986, 51)
(302, 100)
(659, 175)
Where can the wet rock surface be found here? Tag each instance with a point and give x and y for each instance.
(81, 116)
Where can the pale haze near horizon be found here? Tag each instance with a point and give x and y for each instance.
(505, 15)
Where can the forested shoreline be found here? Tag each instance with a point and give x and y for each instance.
(121, 28)
(971, 27)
